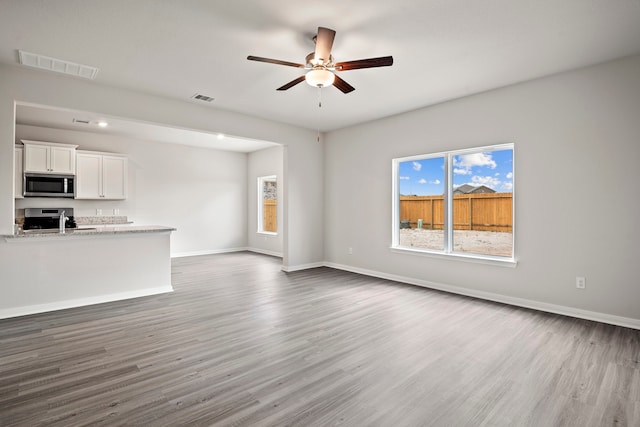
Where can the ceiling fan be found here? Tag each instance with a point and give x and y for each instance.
(321, 66)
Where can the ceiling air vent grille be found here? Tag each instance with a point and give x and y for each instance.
(57, 65)
(200, 97)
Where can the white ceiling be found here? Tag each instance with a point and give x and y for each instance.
(443, 49)
(57, 118)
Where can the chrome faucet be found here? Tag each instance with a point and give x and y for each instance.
(63, 220)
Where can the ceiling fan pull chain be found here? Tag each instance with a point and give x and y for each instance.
(319, 106)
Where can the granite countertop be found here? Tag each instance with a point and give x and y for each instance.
(88, 231)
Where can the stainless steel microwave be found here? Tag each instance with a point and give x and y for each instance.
(48, 185)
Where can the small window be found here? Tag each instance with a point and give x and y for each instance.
(267, 204)
(455, 203)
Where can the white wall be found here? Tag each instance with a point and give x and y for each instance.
(266, 162)
(198, 191)
(302, 196)
(577, 152)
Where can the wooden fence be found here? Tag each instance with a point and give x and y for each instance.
(270, 219)
(490, 212)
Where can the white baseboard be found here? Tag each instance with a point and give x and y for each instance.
(79, 302)
(265, 252)
(520, 302)
(292, 268)
(208, 252)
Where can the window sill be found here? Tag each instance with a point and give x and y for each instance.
(268, 233)
(488, 260)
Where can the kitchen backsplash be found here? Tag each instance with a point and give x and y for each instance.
(99, 220)
(85, 220)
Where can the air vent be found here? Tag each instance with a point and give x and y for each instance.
(82, 122)
(57, 65)
(200, 97)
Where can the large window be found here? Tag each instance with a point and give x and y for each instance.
(267, 204)
(457, 203)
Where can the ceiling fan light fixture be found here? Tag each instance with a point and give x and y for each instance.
(320, 77)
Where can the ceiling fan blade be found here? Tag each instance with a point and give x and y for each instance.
(342, 85)
(274, 61)
(324, 42)
(383, 61)
(292, 83)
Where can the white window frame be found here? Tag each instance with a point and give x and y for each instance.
(447, 252)
(261, 181)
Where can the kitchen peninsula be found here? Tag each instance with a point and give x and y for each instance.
(84, 267)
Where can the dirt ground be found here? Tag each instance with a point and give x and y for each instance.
(480, 242)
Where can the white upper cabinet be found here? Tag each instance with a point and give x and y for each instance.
(49, 157)
(114, 177)
(88, 176)
(17, 168)
(63, 159)
(101, 176)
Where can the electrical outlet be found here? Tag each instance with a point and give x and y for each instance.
(350, 251)
(98, 212)
(581, 282)
(116, 211)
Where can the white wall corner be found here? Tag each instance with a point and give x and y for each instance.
(292, 268)
(208, 252)
(265, 252)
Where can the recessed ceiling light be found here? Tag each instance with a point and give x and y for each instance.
(103, 124)
(220, 136)
(57, 65)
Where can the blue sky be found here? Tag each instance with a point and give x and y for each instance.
(426, 177)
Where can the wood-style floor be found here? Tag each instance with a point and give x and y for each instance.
(240, 343)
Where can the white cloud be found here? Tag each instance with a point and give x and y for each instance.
(507, 186)
(468, 161)
(405, 177)
(461, 171)
(489, 181)
(417, 166)
(436, 182)
(422, 181)
(510, 175)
